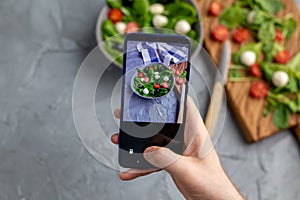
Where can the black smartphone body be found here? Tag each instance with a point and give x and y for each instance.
(156, 71)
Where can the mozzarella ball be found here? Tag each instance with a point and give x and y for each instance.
(156, 73)
(251, 16)
(182, 27)
(248, 58)
(142, 79)
(157, 8)
(145, 91)
(120, 27)
(159, 21)
(280, 78)
(166, 79)
(156, 77)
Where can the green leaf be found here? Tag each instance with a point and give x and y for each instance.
(267, 110)
(114, 3)
(179, 9)
(259, 17)
(270, 49)
(295, 62)
(266, 32)
(109, 28)
(272, 6)
(292, 84)
(281, 116)
(141, 9)
(288, 27)
(232, 17)
(235, 73)
(268, 72)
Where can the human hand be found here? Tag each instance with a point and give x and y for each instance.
(198, 173)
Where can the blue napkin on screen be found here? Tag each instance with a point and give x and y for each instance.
(160, 52)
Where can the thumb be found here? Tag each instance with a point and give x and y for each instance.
(164, 158)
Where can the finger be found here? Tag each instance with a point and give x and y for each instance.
(135, 173)
(115, 138)
(164, 158)
(117, 113)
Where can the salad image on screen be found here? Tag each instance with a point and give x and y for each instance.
(155, 82)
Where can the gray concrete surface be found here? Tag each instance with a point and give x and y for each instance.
(42, 46)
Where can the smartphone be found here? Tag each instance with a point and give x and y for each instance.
(156, 71)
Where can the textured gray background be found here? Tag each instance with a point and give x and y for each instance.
(42, 46)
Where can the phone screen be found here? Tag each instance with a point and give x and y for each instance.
(155, 78)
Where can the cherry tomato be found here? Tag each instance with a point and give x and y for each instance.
(279, 35)
(177, 73)
(283, 57)
(259, 89)
(151, 67)
(140, 75)
(255, 70)
(215, 9)
(165, 85)
(146, 80)
(115, 15)
(241, 35)
(220, 33)
(156, 86)
(132, 27)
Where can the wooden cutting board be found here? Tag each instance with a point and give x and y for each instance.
(249, 111)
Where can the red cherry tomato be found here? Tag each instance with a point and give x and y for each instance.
(156, 86)
(215, 9)
(151, 67)
(177, 73)
(132, 27)
(279, 35)
(115, 15)
(283, 57)
(165, 85)
(241, 35)
(259, 89)
(255, 70)
(220, 33)
(140, 75)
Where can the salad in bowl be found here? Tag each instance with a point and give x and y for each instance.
(152, 81)
(121, 17)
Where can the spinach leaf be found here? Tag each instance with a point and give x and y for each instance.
(281, 116)
(235, 73)
(114, 3)
(272, 6)
(266, 32)
(179, 9)
(259, 17)
(288, 27)
(141, 11)
(268, 72)
(236, 58)
(109, 28)
(232, 17)
(292, 84)
(270, 49)
(295, 62)
(267, 110)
